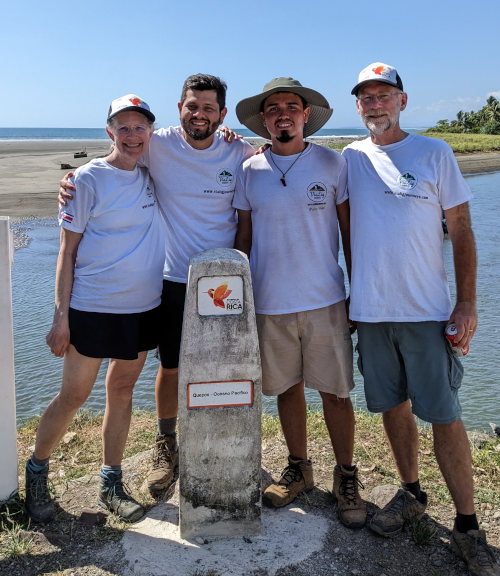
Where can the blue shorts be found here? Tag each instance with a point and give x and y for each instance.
(401, 360)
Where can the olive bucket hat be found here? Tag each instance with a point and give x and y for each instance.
(249, 109)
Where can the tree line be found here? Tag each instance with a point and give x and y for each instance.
(484, 121)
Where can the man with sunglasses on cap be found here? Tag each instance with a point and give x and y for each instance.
(193, 168)
(398, 185)
(291, 200)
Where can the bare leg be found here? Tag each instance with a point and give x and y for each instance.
(166, 392)
(120, 380)
(339, 418)
(402, 433)
(292, 413)
(79, 375)
(452, 450)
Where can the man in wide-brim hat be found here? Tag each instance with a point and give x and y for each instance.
(291, 200)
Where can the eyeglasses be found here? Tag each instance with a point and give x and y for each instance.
(382, 98)
(138, 130)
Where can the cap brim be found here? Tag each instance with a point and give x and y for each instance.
(248, 110)
(356, 88)
(149, 115)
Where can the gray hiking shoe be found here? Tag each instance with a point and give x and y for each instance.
(403, 508)
(350, 506)
(39, 503)
(474, 550)
(113, 497)
(296, 478)
(165, 465)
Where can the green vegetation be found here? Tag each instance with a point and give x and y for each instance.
(466, 143)
(484, 121)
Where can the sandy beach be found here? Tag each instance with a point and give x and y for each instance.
(30, 171)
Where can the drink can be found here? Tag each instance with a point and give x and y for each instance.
(450, 333)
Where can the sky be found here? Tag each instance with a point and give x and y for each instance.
(61, 63)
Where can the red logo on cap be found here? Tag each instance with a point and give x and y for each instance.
(135, 101)
(378, 70)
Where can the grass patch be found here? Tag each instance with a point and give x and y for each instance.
(82, 454)
(468, 142)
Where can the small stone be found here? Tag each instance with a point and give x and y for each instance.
(200, 540)
(355, 571)
(91, 517)
(68, 437)
(336, 550)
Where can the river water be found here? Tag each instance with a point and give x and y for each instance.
(38, 373)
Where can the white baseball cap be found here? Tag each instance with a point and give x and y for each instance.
(130, 102)
(378, 72)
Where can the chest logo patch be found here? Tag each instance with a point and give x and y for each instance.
(225, 177)
(317, 192)
(407, 180)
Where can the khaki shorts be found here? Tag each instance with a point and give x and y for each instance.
(314, 346)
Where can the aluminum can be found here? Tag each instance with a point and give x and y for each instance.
(450, 332)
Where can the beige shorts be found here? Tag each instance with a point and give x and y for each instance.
(314, 346)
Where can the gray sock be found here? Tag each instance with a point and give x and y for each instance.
(167, 426)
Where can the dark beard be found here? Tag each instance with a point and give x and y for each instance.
(284, 137)
(197, 133)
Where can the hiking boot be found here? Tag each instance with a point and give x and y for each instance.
(474, 550)
(403, 507)
(113, 497)
(165, 464)
(350, 506)
(295, 479)
(39, 504)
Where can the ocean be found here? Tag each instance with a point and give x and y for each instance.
(38, 373)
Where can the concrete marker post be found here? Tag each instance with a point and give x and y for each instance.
(8, 438)
(219, 400)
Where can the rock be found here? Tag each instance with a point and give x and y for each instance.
(68, 437)
(382, 495)
(91, 517)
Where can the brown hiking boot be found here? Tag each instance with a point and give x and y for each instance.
(474, 550)
(165, 465)
(296, 478)
(403, 508)
(351, 507)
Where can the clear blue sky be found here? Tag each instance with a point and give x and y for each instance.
(63, 62)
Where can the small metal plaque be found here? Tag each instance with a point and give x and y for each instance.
(220, 296)
(220, 394)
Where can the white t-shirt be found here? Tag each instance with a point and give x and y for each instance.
(195, 190)
(120, 256)
(295, 238)
(397, 194)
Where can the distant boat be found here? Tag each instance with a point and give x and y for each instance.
(81, 154)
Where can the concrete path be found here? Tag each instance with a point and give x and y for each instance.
(153, 547)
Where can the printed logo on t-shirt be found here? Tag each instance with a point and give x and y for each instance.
(407, 180)
(225, 177)
(316, 192)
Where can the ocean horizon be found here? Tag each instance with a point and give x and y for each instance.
(22, 134)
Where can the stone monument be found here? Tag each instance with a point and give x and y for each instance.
(219, 400)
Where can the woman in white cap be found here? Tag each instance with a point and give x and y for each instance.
(108, 290)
